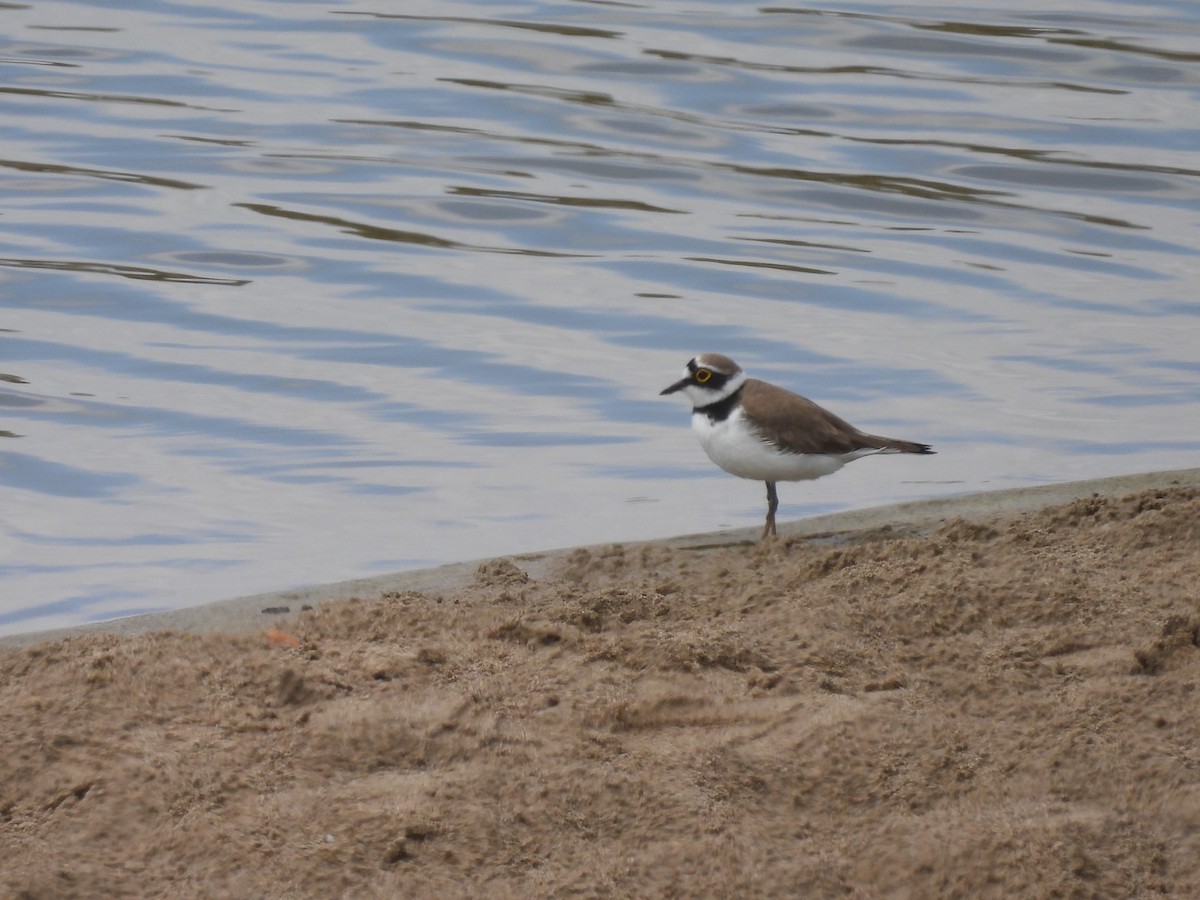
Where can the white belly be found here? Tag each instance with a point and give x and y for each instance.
(736, 449)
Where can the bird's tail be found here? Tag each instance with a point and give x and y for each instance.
(893, 445)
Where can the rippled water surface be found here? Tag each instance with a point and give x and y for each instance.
(298, 292)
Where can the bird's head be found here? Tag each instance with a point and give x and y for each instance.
(709, 378)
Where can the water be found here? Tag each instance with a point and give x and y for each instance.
(298, 292)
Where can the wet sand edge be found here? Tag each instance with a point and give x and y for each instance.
(260, 611)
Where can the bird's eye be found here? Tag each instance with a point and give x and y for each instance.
(702, 375)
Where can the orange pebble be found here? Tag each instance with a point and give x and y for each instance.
(275, 636)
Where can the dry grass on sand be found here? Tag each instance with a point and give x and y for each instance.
(1003, 708)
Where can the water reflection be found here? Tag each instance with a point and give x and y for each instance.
(135, 272)
(298, 293)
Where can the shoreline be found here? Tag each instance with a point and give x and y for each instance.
(246, 614)
(975, 696)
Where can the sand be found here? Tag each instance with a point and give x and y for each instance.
(990, 705)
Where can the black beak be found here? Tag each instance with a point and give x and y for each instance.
(677, 386)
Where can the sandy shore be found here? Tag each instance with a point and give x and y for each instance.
(990, 696)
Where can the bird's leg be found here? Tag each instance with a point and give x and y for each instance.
(772, 505)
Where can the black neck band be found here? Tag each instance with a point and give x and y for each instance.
(719, 411)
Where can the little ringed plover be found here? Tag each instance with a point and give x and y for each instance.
(753, 429)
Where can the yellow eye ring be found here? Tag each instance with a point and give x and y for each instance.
(702, 375)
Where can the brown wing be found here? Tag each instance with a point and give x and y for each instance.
(804, 427)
